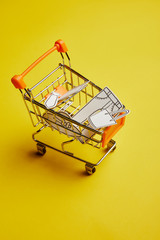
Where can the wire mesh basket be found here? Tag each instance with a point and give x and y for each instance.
(69, 116)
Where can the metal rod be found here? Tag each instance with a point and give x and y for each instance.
(108, 151)
(68, 153)
(62, 116)
(48, 86)
(44, 78)
(79, 75)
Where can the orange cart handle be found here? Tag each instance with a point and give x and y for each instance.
(18, 81)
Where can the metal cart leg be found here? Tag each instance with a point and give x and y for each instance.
(62, 145)
(112, 145)
(90, 167)
(41, 149)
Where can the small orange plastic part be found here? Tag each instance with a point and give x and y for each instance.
(110, 131)
(17, 80)
(47, 95)
(61, 46)
(60, 89)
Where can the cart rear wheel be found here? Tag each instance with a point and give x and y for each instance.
(110, 145)
(90, 169)
(41, 149)
(113, 149)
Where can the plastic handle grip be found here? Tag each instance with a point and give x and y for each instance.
(18, 81)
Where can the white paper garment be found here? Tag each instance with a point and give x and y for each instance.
(61, 124)
(86, 134)
(73, 91)
(104, 99)
(101, 119)
(52, 100)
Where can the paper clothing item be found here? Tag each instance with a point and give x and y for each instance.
(61, 124)
(73, 91)
(52, 100)
(101, 119)
(104, 99)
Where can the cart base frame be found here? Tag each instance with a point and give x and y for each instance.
(89, 166)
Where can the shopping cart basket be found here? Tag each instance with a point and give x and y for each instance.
(69, 116)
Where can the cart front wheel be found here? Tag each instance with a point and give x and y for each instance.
(41, 149)
(90, 169)
(113, 149)
(110, 145)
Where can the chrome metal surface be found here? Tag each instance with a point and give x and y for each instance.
(111, 145)
(55, 119)
(36, 85)
(48, 86)
(88, 164)
(64, 143)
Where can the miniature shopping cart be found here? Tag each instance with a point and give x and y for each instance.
(74, 114)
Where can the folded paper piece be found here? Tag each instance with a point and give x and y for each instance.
(101, 119)
(73, 91)
(52, 100)
(61, 124)
(104, 99)
(61, 94)
(101, 111)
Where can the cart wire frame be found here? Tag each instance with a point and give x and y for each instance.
(62, 114)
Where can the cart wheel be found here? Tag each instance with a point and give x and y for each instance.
(90, 169)
(110, 144)
(41, 149)
(113, 149)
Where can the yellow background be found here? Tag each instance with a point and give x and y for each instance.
(114, 44)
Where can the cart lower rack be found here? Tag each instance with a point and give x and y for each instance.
(81, 110)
